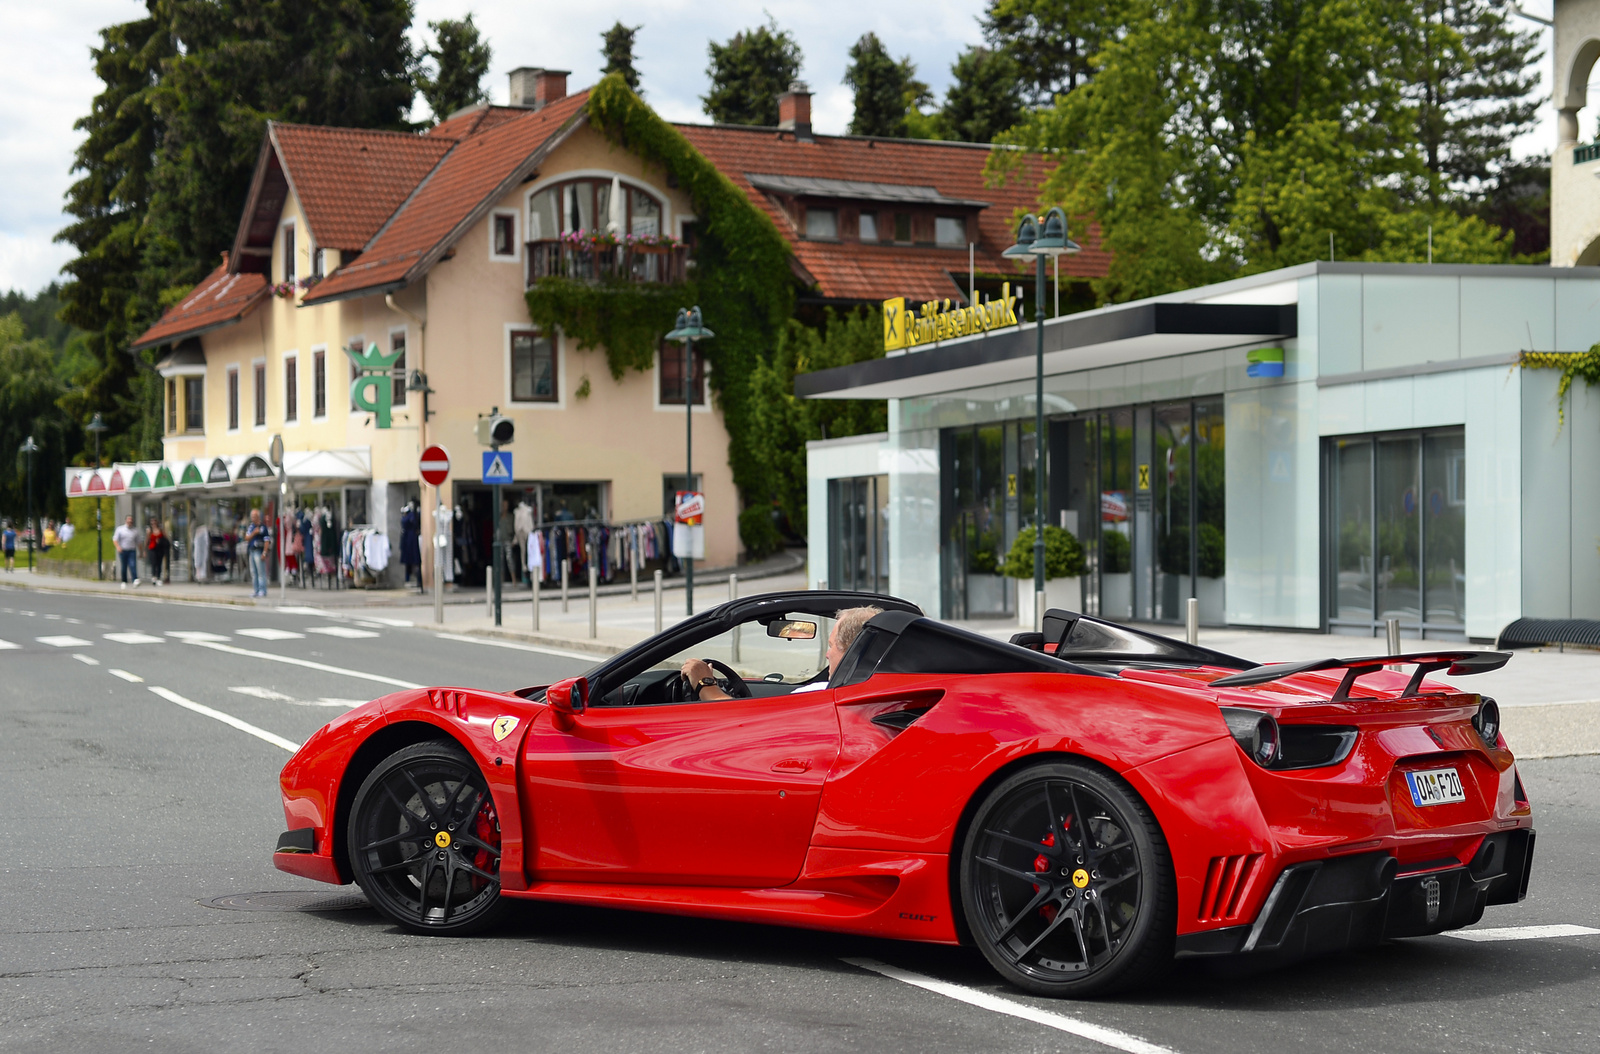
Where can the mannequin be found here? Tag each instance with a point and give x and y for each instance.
(522, 518)
(410, 547)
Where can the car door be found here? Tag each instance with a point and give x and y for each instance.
(702, 793)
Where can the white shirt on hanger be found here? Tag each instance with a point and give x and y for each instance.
(376, 549)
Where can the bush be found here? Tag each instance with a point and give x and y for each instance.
(1063, 556)
(1116, 552)
(759, 532)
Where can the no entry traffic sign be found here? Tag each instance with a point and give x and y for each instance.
(435, 465)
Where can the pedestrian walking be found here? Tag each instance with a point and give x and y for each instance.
(8, 541)
(157, 546)
(126, 540)
(50, 537)
(255, 542)
(66, 531)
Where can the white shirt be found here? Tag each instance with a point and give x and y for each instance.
(125, 538)
(376, 550)
(66, 532)
(810, 686)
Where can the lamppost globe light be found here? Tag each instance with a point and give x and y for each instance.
(690, 328)
(1027, 232)
(1053, 240)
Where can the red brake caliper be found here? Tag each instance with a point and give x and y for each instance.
(1042, 864)
(487, 830)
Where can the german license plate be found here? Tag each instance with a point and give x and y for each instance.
(1435, 787)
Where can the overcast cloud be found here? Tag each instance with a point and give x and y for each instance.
(46, 78)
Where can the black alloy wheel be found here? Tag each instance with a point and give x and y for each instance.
(425, 841)
(1067, 882)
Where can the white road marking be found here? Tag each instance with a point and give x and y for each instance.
(131, 678)
(1521, 933)
(74, 621)
(307, 663)
(6, 645)
(491, 642)
(30, 614)
(134, 638)
(86, 659)
(258, 692)
(973, 997)
(196, 634)
(65, 642)
(347, 632)
(268, 633)
(305, 611)
(398, 623)
(53, 618)
(227, 719)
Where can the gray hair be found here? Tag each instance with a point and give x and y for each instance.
(851, 621)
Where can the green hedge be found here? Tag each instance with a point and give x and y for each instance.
(1063, 556)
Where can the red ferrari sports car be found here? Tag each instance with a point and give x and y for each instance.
(1082, 804)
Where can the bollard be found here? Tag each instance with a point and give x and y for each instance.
(594, 602)
(1393, 626)
(633, 571)
(733, 594)
(536, 603)
(1192, 622)
(488, 593)
(1038, 611)
(822, 584)
(566, 567)
(658, 601)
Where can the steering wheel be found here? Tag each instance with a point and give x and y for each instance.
(729, 682)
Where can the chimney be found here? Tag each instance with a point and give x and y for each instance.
(794, 111)
(536, 88)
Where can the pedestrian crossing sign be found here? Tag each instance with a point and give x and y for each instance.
(497, 466)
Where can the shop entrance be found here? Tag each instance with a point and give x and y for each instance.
(1396, 532)
(858, 533)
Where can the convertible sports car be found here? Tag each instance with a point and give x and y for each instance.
(1082, 804)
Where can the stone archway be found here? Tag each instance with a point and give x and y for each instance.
(1576, 95)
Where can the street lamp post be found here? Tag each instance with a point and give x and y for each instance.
(1052, 241)
(30, 448)
(94, 428)
(689, 329)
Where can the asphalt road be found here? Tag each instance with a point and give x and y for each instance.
(126, 810)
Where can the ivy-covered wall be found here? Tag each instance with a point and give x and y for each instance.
(741, 280)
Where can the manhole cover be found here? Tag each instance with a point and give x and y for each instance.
(289, 900)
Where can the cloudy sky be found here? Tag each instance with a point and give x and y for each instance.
(44, 71)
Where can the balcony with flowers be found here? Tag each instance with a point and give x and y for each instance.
(596, 255)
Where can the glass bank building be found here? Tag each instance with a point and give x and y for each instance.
(1322, 447)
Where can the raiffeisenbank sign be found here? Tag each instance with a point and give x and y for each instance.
(937, 320)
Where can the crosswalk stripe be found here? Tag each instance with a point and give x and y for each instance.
(85, 658)
(268, 633)
(63, 641)
(6, 645)
(347, 632)
(133, 637)
(1521, 933)
(131, 678)
(196, 634)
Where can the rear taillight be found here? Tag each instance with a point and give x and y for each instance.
(1255, 732)
(1487, 722)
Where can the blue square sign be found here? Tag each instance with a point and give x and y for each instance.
(497, 466)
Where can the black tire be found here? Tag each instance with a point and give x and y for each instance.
(424, 841)
(1067, 883)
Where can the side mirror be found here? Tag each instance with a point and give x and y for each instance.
(569, 697)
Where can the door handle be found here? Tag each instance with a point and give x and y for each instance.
(792, 765)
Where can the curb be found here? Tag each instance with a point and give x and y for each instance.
(597, 648)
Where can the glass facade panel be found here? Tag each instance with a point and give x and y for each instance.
(1171, 477)
(1444, 520)
(1399, 530)
(1350, 536)
(858, 529)
(1116, 525)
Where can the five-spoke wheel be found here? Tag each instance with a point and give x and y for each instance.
(1066, 882)
(425, 840)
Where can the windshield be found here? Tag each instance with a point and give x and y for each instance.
(755, 656)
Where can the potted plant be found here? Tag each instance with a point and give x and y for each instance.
(1116, 574)
(1063, 571)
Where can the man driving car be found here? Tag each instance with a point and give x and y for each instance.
(847, 626)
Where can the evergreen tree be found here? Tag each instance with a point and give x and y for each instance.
(885, 90)
(29, 393)
(616, 48)
(749, 72)
(1051, 41)
(459, 58)
(985, 98)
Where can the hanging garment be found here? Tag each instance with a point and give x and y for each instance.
(410, 538)
(536, 556)
(201, 553)
(375, 548)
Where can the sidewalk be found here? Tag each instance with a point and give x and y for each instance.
(1550, 699)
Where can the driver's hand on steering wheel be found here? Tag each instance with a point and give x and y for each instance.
(696, 672)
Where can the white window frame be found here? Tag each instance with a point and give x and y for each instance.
(263, 396)
(669, 221)
(232, 390)
(516, 236)
(326, 392)
(560, 345)
(291, 362)
(290, 258)
(405, 334)
(656, 404)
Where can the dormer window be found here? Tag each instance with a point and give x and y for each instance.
(822, 223)
(950, 231)
(902, 226)
(869, 226)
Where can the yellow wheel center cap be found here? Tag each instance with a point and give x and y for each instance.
(1080, 878)
(442, 840)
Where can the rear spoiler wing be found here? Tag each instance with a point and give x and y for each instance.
(1454, 663)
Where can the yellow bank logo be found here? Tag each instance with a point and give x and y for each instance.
(937, 320)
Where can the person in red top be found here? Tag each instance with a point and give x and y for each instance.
(157, 547)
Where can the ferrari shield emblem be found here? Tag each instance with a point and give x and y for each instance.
(503, 727)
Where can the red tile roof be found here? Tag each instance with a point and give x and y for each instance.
(478, 119)
(464, 183)
(850, 270)
(219, 300)
(349, 181)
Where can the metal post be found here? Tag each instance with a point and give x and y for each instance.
(535, 600)
(1192, 622)
(438, 559)
(566, 568)
(594, 601)
(1393, 627)
(499, 545)
(1038, 442)
(688, 464)
(658, 601)
(633, 566)
(488, 595)
(733, 594)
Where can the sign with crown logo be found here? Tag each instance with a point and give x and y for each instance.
(374, 372)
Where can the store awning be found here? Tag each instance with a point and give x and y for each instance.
(1105, 337)
(247, 473)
